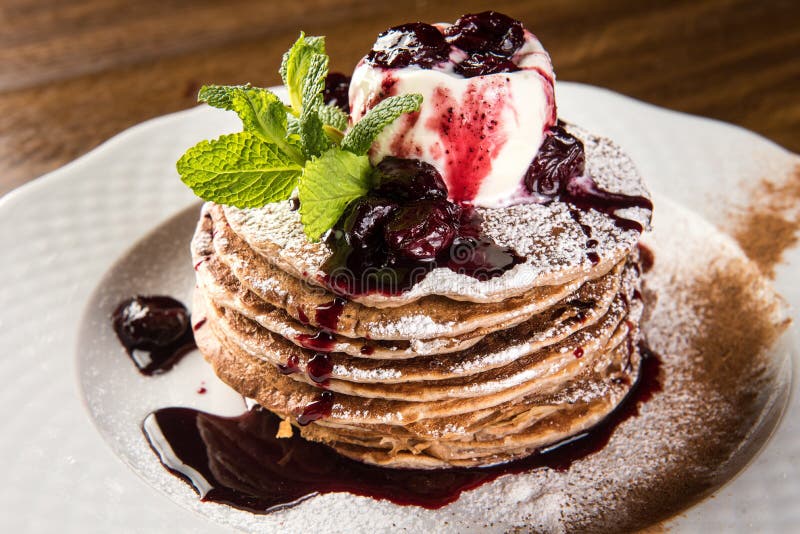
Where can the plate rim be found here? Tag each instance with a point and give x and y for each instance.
(71, 171)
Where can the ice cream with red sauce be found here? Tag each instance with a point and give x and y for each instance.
(487, 85)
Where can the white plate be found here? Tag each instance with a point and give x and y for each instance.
(63, 232)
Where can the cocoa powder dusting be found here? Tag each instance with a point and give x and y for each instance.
(771, 223)
(713, 318)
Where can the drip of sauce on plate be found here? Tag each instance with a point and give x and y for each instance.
(155, 331)
(238, 461)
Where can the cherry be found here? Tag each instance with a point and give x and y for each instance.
(365, 218)
(422, 229)
(560, 158)
(336, 92)
(409, 179)
(150, 322)
(489, 31)
(409, 44)
(484, 63)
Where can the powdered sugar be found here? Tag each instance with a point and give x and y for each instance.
(423, 326)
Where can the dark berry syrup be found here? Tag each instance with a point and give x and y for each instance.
(558, 172)
(155, 331)
(239, 461)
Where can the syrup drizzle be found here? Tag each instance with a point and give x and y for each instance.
(316, 410)
(584, 193)
(264, 473)
(319, 368)
(322, 341)
(291, 366)
(591, 244)
(646, 258)
(327, 315)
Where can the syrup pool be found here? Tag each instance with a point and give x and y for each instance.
(238, 461)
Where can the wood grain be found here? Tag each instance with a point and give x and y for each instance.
(73, 74)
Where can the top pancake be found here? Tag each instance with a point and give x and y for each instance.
(549, 236)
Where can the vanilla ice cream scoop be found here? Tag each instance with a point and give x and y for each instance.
(480, 131)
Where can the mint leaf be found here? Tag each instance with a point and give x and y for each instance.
(329, 184)
(295, 66)
(313, 82)
(260, 110)
(239, 170)
(360, 137)
(333, 116)
(293, 127)
(263, 113)
(219, 96)
(312, 136)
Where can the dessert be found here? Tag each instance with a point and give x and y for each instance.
(447, 277)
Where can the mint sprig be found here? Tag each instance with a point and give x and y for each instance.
(360, 138)
(333, 116)
(261, 111)
(296, 64)
(239, 170)
(303, 146)
(330, 183)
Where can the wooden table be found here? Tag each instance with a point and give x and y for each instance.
(74, 73)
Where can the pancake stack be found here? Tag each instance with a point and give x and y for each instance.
(456, 371)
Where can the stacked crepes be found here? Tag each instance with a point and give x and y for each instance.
(456, 371)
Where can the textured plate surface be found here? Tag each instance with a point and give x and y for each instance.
(63, 232)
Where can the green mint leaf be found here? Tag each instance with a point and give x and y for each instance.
(293, 127)
(329, 184)
(312, 134)
(239, 170)
(260, 110)
(263, 114)
(219, 96)
(314, 82)
(295, 66)
(360, 137)
(313, 138)
(333, 116)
